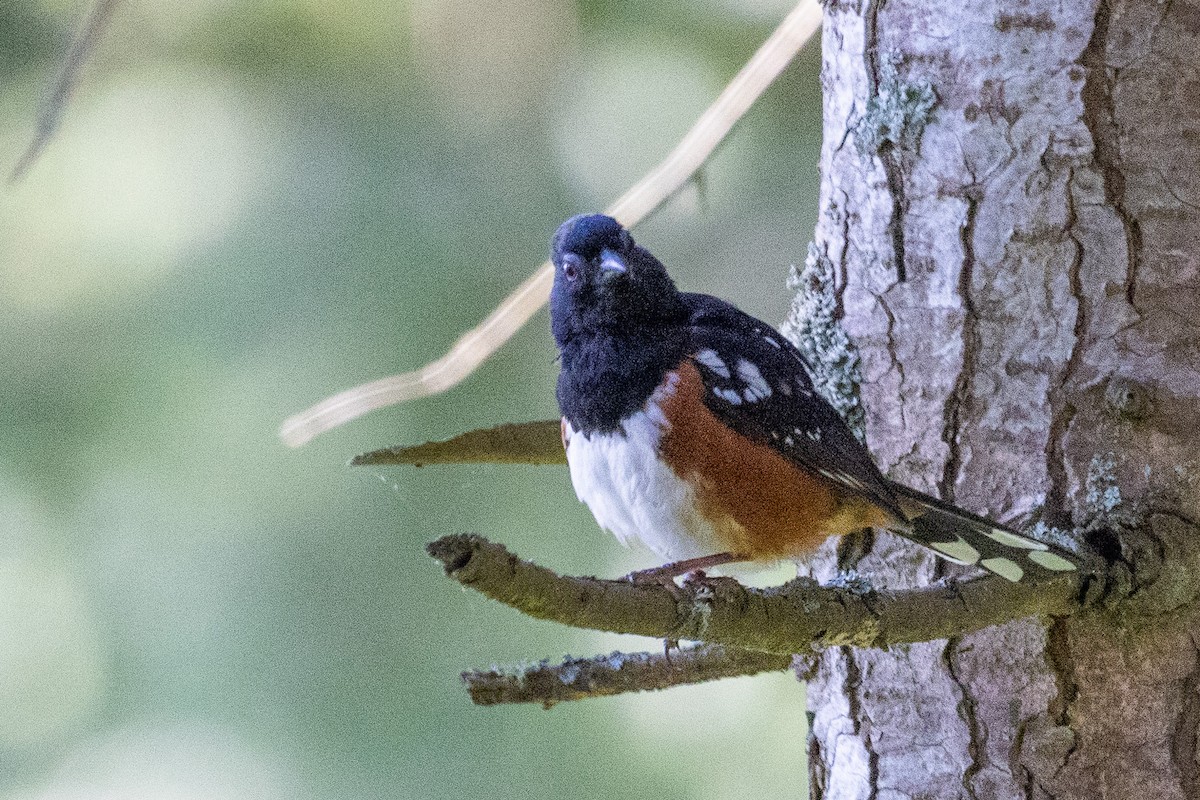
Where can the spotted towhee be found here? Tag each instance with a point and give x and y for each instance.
(695, 428)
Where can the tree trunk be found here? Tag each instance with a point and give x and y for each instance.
(1011, 211)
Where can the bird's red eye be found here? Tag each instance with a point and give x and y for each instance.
(570, 266)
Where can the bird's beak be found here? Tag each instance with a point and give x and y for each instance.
(611, 264)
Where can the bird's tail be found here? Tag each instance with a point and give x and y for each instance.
(962, 537)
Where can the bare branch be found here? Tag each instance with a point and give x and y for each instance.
(51, 112)
(510, 443)
(795, 618)
(616, 673)
(646, 195)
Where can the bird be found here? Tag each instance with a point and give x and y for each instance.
(696, 429)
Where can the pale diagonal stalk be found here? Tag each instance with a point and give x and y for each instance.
(474, 347)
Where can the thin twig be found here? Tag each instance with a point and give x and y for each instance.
(798, 617)
(511, 315)
(510, 443)
(51, 113)
(616, 673)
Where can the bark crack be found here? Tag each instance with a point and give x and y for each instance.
(1062, 409)
(842, 278)
(1186, 736)
(1100, 117)
(1061, 662)
(888, 151)
(897, 362)
(1018, 770)
(956, 403)
(895, 184)
(976, 735)
(817, 773)
(852, 690)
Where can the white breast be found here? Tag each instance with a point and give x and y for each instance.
(632, 493)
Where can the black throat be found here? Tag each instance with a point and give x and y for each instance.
(608, 375)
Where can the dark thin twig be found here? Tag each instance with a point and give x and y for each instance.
(51, 113)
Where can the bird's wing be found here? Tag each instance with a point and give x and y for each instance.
(758, 384)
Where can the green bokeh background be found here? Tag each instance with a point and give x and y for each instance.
(251, 206)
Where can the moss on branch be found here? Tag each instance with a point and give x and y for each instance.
(798, 617)
(615, 673)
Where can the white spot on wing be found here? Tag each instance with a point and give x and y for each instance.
(771, 340)
(749, 373)
(1051, 561)
(728, 395)
(755, 385)
(714, 362)
(753, 396)
(1012, 540)
(1004, 567)
(785, 388)
(958, 551)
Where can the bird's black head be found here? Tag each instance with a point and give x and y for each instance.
(604, 282)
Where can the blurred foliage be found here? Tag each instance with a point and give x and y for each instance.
(250, 206)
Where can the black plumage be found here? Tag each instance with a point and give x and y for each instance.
(623, 329)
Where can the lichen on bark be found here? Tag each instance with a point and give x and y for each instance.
(813, 326)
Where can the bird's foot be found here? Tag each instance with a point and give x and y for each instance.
(693, 568)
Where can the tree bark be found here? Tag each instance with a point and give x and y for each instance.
(1011, 215)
